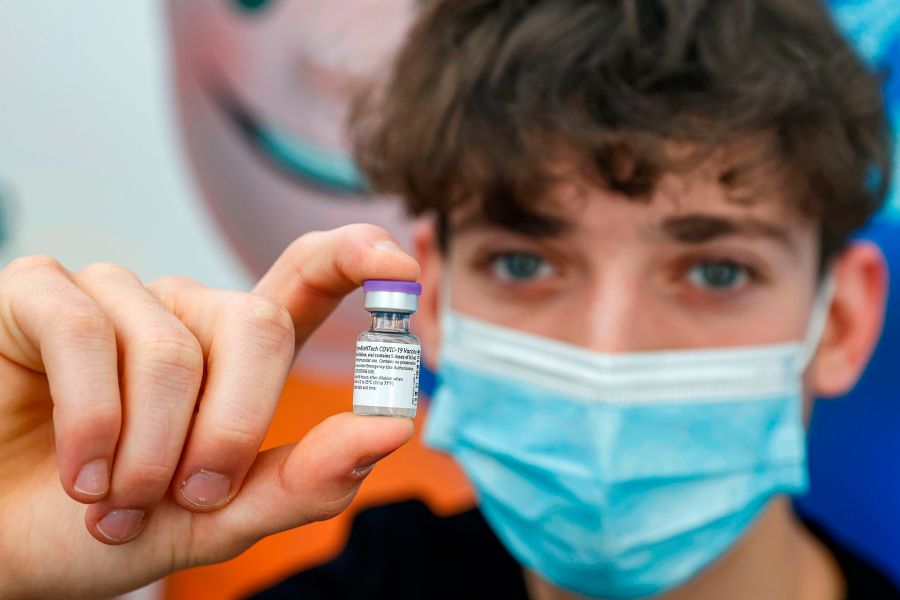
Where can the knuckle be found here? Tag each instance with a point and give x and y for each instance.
(299, 247)
(305, 240)
(167, 288)
(328, 509)
(355, 243)
(311, 243)
(107, 270)
(355, 231)
(86, 422)
(148, 477)
(269, 324)
(86, 324)
(175, 361)
(358, 236)
(34, 263)
(96, 420)
(320, 507)
(238, 433)
(171, 283)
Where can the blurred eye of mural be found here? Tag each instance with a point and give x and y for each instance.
(252, 5)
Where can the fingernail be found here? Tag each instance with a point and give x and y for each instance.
(365, 467)
(93, 479)
(206, 489)
(387, 245)
(121, 525)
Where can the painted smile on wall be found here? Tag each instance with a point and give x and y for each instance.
(263, 90)
(289, 155)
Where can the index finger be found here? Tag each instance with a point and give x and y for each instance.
(319, 268)
(49, 324)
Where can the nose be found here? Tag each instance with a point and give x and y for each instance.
(618, 316)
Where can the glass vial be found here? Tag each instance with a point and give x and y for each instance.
(386, 374)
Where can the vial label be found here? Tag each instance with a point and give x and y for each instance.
(386, 374)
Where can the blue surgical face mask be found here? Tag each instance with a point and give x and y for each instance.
(619, 475)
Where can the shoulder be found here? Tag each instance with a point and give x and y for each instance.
(403, 550)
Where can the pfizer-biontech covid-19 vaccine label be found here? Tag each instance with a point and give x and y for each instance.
(386, 374)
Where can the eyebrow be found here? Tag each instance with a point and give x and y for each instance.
(700, 228)
(535, 226)
(695, 228)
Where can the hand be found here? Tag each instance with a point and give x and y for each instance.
(170, 388)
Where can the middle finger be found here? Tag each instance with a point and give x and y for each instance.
(250, 343)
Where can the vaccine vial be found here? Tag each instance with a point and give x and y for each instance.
(386, 374)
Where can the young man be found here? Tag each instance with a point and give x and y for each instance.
(638, 278)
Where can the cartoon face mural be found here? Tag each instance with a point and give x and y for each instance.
(263, 90)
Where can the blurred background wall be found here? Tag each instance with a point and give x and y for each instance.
(90, 155)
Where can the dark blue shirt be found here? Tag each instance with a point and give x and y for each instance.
(403, 551)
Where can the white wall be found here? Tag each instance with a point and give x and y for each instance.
(89, 149)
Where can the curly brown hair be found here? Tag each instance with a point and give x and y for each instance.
(485, 94)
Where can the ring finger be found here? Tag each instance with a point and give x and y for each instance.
(161, 364)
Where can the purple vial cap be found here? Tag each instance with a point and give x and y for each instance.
(388, 285)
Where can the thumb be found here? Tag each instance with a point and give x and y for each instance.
(314, 480)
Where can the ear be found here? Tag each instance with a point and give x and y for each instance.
(854, 322)
(428, 254)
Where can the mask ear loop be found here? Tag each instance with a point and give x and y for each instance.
(818, 320)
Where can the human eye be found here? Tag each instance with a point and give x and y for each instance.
(519, 266)
(720, 276)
